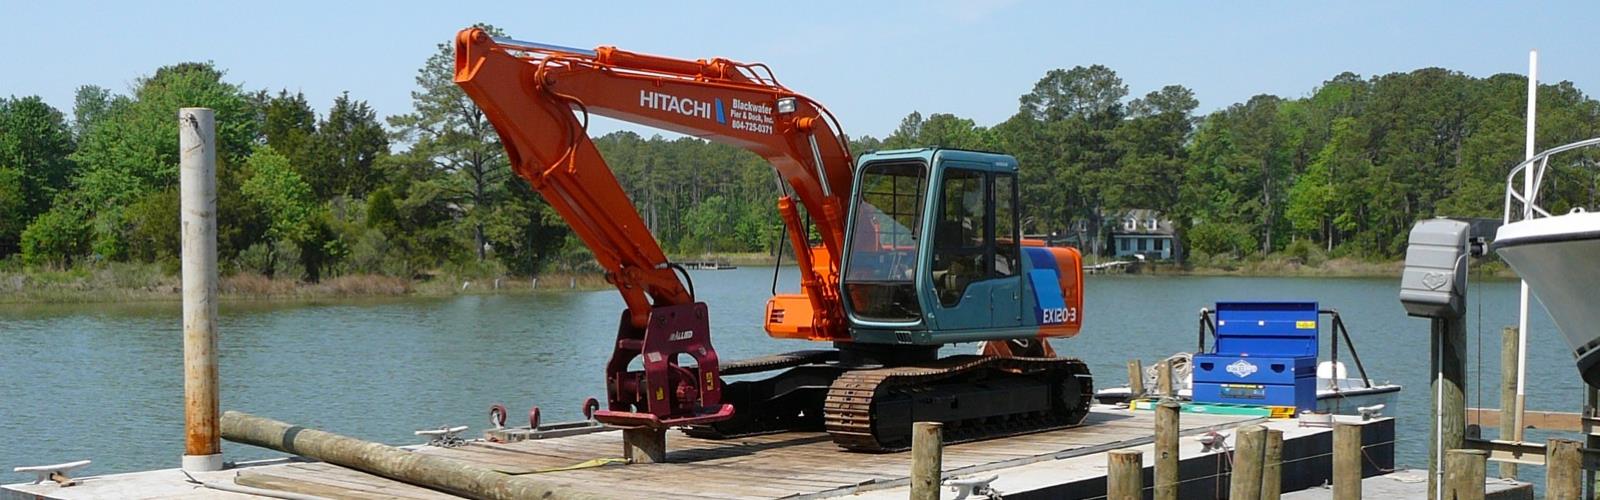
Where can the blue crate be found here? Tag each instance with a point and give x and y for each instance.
(1228, 368)
(1302, 394)
(1281, 329)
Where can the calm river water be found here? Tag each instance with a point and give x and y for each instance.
(103, 381)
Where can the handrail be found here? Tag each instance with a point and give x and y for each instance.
(1205, 324)
(1339, 330)
(1543, 161)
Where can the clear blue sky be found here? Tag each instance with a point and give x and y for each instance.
(870, 62)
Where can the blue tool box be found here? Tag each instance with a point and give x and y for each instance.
(1265, 354)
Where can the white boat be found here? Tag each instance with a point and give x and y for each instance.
(1559, 257)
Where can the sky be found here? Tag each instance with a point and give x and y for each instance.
(871, 63)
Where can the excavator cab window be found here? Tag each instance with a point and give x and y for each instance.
(881, 270)
(1007, 253)
(961, 253)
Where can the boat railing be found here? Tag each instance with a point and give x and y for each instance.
(1529, 204)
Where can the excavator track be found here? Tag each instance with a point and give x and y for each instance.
(976, 397)
(777, 361)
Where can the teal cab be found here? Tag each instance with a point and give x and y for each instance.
(936, 254)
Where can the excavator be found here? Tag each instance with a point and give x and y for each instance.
(899, 253)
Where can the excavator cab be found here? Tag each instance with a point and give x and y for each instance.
(935, 254)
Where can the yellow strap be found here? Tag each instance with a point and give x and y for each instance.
(587, 464)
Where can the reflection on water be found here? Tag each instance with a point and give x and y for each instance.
(104, 381)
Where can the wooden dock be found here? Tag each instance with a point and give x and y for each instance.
(1412, 483)
(1056, 464)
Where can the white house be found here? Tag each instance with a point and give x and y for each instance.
(1142, 232)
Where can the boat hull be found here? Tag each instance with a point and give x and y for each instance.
(1559, 258)
(1341, 401)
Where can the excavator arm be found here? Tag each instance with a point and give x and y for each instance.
(539, 98)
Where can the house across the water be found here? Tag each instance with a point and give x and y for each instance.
(1142, 232)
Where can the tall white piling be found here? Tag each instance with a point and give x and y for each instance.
(1528, 195)
(197, 187)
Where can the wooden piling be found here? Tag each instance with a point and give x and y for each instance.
(1166, 450)
(927, 459)
(1272, 466)
(1448, 357)
(1464, 474)
(1508, 394)
(197, 188)
(644, 445)
(1591, 400)
(1164, 379)
(1135, 378)
(423, 469)
(1563, 470)
(1346, 461)
(1125, 469)
(1249, 450)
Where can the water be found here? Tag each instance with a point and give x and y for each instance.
(104, 381)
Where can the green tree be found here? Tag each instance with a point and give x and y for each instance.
(905, 136)
(1240, 170)
(350, 142)
(34, 144)
(13, 204)
(709, 225)
(416, 215)
(525, 231)
(940, 130)
(1326, 201)
(1062, 134)
(289, 126)
(447, 131)
(57, 238)
(1080, 92)
(1151, 155)
(151, 231)
(288, 202)
(1223, 238)
(132, 150)
(89, 105)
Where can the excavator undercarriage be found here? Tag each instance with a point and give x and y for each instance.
(872, 408)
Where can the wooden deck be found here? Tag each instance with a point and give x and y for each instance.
(788, 465)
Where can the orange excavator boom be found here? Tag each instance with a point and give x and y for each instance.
(539, 97)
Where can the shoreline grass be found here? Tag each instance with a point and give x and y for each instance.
(1278, 266)
(146, 283)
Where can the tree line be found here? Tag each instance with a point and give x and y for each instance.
(1343, 170)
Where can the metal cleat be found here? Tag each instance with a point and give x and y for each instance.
(1313, 419)
(57, 472)
(444, 437)
(1370, 412)
(1213, 441)
(967, 487)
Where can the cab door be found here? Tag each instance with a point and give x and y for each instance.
(962, 249)
(1005, 299)
(975, 281)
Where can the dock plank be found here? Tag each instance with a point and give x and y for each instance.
(329, 485)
